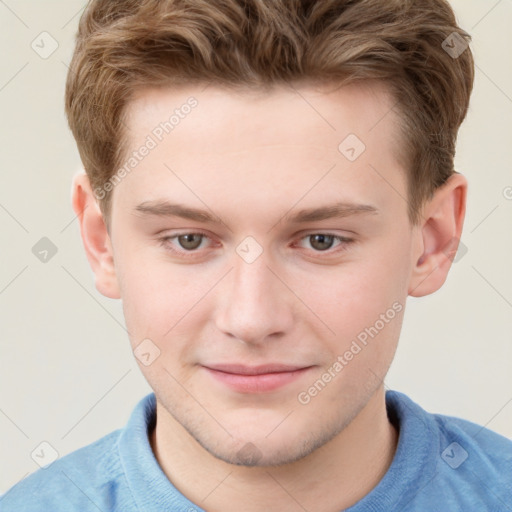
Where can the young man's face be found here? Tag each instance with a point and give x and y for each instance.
(255, 291)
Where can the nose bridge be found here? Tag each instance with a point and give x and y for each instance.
(255, 304)
(252, 282)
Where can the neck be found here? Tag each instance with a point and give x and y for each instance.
(334, 477)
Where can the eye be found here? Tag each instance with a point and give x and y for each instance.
(183, 243)
(322, 242)
(189, 244)
(190, 241)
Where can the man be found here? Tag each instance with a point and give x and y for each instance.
(266, 183)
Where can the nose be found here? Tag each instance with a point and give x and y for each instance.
(256, 306)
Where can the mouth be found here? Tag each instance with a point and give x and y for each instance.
(256, 379)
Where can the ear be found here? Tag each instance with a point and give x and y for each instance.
(438, 236)
(95, 237)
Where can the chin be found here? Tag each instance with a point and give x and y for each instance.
(277, 449)
(257, 455)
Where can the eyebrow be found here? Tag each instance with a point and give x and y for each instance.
(336, 210)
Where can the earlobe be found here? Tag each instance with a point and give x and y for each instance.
(95, 237)
(439, 236)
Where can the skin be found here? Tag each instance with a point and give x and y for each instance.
(250, 159)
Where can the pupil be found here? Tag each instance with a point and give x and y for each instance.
(324, 240)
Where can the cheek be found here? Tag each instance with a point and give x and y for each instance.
(155, 293)
(164, 301)
(364, 300)
(366, 288)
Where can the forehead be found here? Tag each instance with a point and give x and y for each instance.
(218, 142)
(280, 114)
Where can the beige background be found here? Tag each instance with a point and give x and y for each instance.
(67, 375)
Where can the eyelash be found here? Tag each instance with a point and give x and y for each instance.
(164, 241)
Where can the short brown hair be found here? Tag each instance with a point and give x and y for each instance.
(125, 45)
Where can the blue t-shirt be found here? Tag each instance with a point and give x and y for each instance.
(442, 464)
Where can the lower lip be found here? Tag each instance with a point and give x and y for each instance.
(263, 383)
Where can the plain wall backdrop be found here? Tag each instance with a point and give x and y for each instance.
(67, 373)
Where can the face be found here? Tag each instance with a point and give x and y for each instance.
(263, 261)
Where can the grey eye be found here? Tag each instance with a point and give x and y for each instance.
(190, 241)
(321, 242)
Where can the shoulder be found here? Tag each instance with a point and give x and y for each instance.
(474, 463)
(467, 465)
(463, 440)
(478, 441)
(82, 480)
